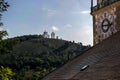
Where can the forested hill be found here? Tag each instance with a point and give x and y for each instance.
(32, 56)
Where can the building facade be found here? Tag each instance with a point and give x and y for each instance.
(106, 19)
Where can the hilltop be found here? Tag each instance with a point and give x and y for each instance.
(32, 56)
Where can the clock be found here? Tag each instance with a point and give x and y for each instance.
(106, 24)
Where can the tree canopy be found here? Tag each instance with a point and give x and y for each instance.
(3, 7)
(32, 56)
(5, 73)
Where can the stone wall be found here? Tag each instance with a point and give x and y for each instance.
(118, 18)
(113, 10)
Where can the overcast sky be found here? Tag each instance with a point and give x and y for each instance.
(69, 19)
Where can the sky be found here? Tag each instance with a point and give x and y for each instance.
(69, 19)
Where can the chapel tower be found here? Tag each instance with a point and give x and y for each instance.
(53, 35)
(106, 19)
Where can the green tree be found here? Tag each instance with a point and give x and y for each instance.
(3, 7)
(5, 73)
(2, 34)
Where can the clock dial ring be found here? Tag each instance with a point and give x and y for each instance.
(105, 25)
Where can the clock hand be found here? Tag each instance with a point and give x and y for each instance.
(105, 25)
(108, 24)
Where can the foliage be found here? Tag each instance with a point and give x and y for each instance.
(5, 73)
(2, 34)
(32, 56)
(3, 7)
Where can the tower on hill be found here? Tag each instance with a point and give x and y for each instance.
(45, 34)
(53, 35)
(106, 19)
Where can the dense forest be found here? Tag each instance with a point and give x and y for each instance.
(31, 57)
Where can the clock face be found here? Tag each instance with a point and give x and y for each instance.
(106, 24)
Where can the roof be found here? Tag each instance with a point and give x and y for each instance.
(101, 62)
